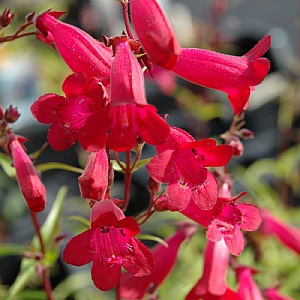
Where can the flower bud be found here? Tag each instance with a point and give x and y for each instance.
(6, 18)
(93, 182)
(11, 114)
(32, 189)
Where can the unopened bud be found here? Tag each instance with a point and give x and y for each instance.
(29, 18)
(11, 114)
(153, 186)
(246, 134)
(6, 18)
(237, 146)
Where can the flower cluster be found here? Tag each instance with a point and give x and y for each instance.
(105, 109)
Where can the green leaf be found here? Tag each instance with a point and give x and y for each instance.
(150, 237)
(27, 271)
(140, 164)
(12, 249)
(51, 225)
(117, 167)
(6, 164)
(58, 166)
(82, 220)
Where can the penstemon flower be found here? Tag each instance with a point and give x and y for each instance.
(109, 244)
(165, 258)
(182, 163)
(231, 74)
(79, 50)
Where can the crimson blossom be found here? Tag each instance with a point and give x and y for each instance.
(225, 220)
(182, 163)
(212, 285)
(80, 51)
(109, 244)
(165, 258)
(128, 115)
(233, 75)
(69, 114)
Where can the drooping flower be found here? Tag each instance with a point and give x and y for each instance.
(110, 244)
(155, 32)
(247, 290)
(129, 115)
(94, 180)
(80, 51)
(286, 234)
(164, 257)
(231, 74)
(212, 285)
(32, 189)
(69, 114)
(182, 163)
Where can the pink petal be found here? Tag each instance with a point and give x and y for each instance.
(231, 74)
(161, 167)
(251, 218)
(141, 262)
(152, 128)
(178, 196)
(206, 194)
(105, 275)
(61, 138)
(155, 32)
(74, 85)
(102, 207)
(78, 251)
(208, 153)
(235, 242)
(44, 109)
(176, 137)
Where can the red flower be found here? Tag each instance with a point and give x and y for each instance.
(164, 257)
(129, 115)
(273, 294)
(110, 244)
(212, 284)
(230, 74)
(31, 187)
(68, 114)
(225, 220)
(287, 234)
(94, 180)
(79, 50)
(181, 162)
(247, 289)
(155, 32)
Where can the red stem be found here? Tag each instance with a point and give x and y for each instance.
(45, 272)
(127, 181)
(126, 18)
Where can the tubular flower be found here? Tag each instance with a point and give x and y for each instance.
(182, 163)
(32, 189)
(164, 257)
(155, 32)
(79, 50)
(225, 220)
(94, 180)
(109, 244)
(273, 294)
(129, 115)
(287, 234)
(247, 289)
(212, 284)
(231, 74)
(69, 114)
